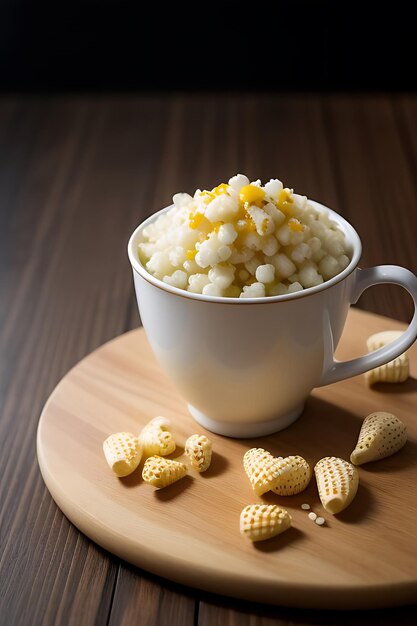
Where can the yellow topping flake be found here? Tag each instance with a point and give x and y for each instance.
(198, 220)
(220, 189)
(252, 195)
(285, 201)
(295, 225)
(191, 254)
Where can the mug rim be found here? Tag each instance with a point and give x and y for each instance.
(350, 233)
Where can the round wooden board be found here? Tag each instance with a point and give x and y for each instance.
(189, 532)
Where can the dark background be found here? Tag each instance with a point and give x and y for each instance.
(124, 45)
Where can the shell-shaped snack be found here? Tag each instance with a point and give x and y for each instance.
(381, 435)
(160, 472)
(263, 521)
(156, 438)
(396, 371)
(123, 452)
(198, 448)
(337, 482)
(294, 477)
(262, 469)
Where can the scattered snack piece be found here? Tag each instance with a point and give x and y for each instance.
(337, 482)
(294, 476)
(160, 472)
(320, 521)
(312, 516)
(156, 438)
(123, 452)
(382, 434)
(263, 521)
(198, 448)
(262, 469)
(396, 371)
(306, 507)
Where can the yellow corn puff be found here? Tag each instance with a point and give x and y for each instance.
(381, 435)
(160, 472)
(396, 371)
(123, 452)
(198, 448)
(262, 469)
(337, 482)
(263, 521)
(156, 438)
(294, 477)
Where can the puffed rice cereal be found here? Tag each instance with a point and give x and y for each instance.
(244, 240)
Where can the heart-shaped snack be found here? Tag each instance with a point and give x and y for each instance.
(262, 469)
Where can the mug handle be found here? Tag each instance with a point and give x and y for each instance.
(382, 274)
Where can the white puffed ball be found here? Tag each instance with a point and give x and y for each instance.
(314, 243)
(300, 253)
(227, 234)
(273, 188)
(238, 181)
(256, 290)
(329, 266)
(343, 261)
(270, 245)
(177, 256)
(284, 267)
(265, 273)
(181, 199)
(294, 288)
(223, 208)
(178, 279)
(197, 282)
(253, 241)
(283, 235)
(159, 264)
(308, 275)
(222, 276)
(224, 252)
(334, 246)
(212, 290)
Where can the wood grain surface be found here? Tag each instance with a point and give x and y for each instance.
(188, 532)
(77, 174)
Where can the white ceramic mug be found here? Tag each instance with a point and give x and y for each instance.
(246, 367)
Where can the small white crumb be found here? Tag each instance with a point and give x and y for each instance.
(312, 516)
(305, 507)
(320, 521)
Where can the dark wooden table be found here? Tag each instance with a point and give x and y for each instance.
(77, 174)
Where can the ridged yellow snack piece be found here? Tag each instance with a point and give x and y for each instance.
(198, 448)
(337, 482)
(160, 472)
(156, 438)
(262, 469)
(263, 521)
(123, 452)
(294, 477)
(381, 435)
(396, 371)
